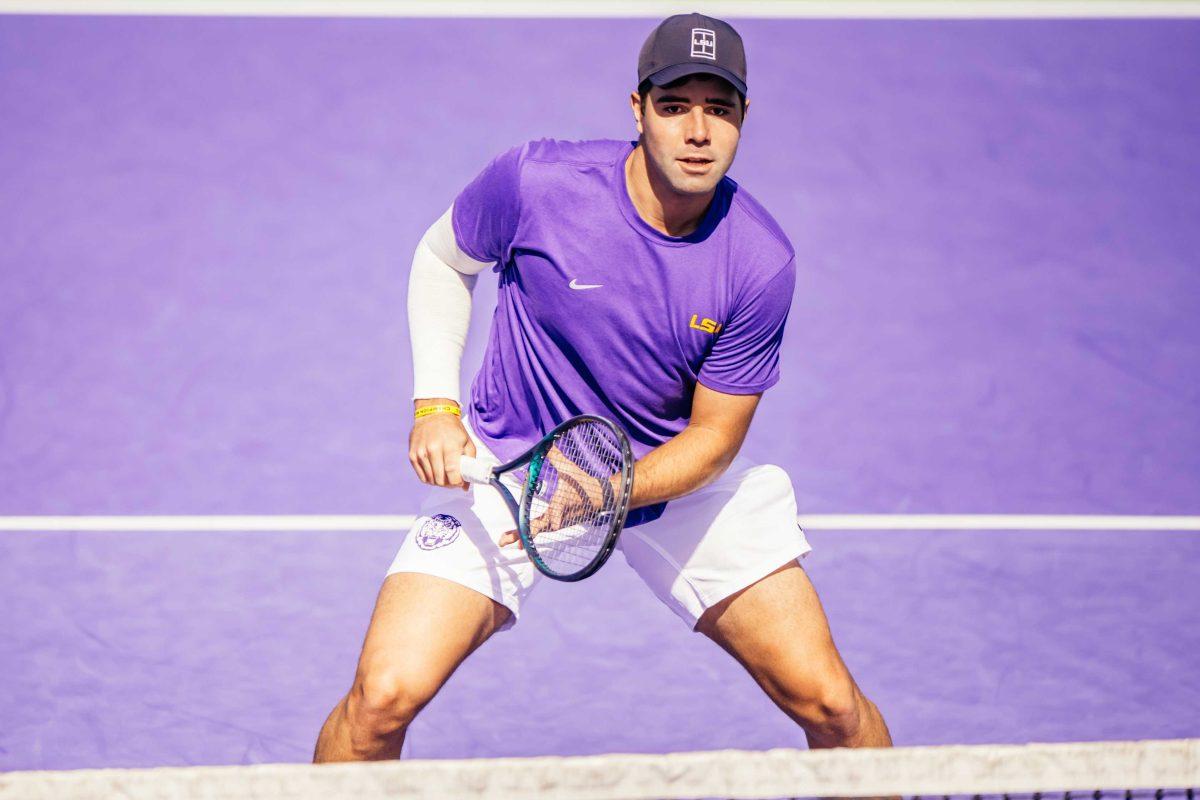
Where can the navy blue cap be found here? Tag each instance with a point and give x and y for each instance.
(686, 44)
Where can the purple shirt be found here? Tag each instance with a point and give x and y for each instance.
(600, 313)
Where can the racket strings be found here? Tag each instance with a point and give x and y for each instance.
(575, 498)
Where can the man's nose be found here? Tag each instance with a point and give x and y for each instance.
(697, 128)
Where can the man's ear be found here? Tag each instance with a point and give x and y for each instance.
(635, 102)
(745, 108)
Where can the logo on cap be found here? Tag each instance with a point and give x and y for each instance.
(704, 43)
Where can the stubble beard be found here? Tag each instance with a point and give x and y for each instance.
(679, 183)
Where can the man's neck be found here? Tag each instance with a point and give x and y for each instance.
(662, 209)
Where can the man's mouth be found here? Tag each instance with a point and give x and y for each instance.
(695, 164)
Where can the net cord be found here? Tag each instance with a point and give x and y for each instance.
(944, 770)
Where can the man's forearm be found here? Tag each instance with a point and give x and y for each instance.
(693, 458)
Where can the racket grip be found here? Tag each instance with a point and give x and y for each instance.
(476, 470)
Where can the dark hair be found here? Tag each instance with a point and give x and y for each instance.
(643, 88)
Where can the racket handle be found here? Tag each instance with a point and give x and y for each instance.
(476, 470)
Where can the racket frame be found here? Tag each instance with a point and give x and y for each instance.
(520, 508)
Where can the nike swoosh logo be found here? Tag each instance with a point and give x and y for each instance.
(575, 285)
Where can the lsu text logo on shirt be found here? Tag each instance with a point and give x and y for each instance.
(707, 325)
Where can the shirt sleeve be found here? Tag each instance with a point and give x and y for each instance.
(486, 212)
(745, 357)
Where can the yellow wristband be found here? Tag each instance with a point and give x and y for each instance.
(425, 411)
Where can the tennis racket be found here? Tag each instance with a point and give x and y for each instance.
(575, 489)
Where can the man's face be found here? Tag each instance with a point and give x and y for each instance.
(690, 132)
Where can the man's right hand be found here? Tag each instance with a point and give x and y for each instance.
(436, 445)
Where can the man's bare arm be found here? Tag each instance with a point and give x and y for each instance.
(699, 453)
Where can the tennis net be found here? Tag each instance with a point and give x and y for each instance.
(1106, 770)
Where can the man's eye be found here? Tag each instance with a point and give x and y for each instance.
(671, 109)
(721, 112)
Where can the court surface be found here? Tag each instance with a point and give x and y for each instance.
(205, 227)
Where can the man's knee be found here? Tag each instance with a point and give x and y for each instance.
(838, 713)
(385, 699)
(831, 707)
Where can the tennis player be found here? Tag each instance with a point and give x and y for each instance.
(637, 282)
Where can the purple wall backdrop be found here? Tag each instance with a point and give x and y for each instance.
(204, 233)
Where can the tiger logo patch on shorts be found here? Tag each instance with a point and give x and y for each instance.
(438, 531)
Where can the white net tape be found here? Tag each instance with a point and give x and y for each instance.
(970, 770)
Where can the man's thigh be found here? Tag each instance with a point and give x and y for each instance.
(422, 628)
(777, 629)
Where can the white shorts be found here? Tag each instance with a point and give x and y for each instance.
(705, 546)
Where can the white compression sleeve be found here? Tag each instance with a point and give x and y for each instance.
(439, 309)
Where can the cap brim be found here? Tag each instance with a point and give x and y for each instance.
(677, 71)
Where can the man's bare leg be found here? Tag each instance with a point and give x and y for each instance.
(778, 631)
(423, 627)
